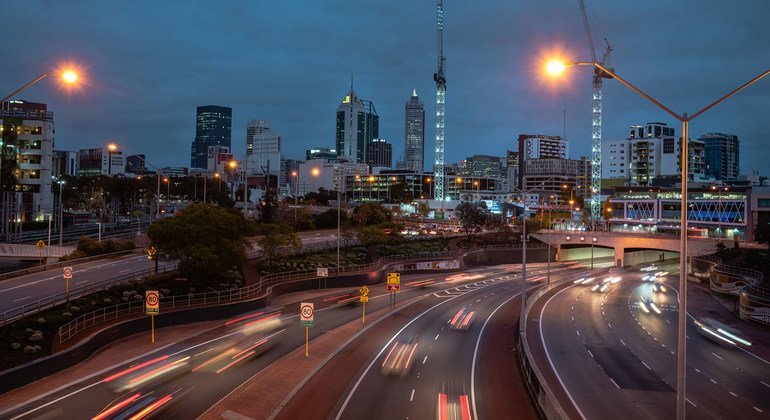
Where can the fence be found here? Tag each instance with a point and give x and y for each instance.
(127, 309)
(32, 308)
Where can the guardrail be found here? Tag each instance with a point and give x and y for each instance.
(32, 308)
(39, 268)
(747, 275)
(88, 320)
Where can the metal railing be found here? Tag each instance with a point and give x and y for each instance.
(91, 319)
(731, 269)
(39, 268)
(59, 298)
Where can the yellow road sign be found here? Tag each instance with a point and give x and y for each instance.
(394, 282)
(40, 244)
(363, 290)
(364, 299)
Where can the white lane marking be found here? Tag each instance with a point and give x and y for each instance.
(19, 300)
(764, 383)
(578, 333)
(713, 381)
(622, 342)
(411, 398)
(424, 360)
(436, 338)
(697, 370)
(717, 356)
(609, 324)
(733, 394)
(81, 281)
(124, 271)
(589, 352)
(614, 383)
(476, 353)
(758, 409)
(647, 366)
(692, 403)
(548, 355)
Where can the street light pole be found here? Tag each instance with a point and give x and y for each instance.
(61, 212)
(555, 67)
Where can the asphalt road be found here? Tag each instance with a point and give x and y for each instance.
(617, 361)
(449, 361)
(30, 288)
(193, 392)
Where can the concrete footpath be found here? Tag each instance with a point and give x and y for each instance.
(268, 390)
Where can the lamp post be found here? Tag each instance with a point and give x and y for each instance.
(550, 228)
(61, 183)
(556, 67)
(219, 181)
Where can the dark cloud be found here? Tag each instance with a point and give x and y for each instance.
(151, 63)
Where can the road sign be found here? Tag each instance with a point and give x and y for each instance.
(40, 244)
(67, 273)
(306, 314)
(151, 302)
(322, 272)
(363, 290)
(364, 298)
(394, 282)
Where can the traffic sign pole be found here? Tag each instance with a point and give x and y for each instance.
(67, 277)
(363, 314)
(306, 340)
(152, 328)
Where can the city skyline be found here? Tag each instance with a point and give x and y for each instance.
(494, 93)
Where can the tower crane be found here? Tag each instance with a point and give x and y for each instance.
(440, 79)
(596, 126)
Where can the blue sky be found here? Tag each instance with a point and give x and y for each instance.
(149, 64)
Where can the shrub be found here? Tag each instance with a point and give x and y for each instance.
(15, 346)
(37, 336)
(74, 309)
(41, 320)
(30, 349)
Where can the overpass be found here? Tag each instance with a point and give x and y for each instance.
(32, 252)
(627, 248)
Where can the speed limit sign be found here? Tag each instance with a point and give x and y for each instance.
(151, 304)
(306, 314)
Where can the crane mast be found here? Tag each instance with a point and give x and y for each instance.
(596, 119)
(440, 80)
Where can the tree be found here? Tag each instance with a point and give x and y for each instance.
(371, 235)
(371, 214)
(207, 240)
(321, 197)
(328, 219)
(473, 218)
(276, 239)
(400, 193)
(423, 209)
(762, 233)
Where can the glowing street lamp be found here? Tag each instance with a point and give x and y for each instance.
(555, 68)
(69, 77)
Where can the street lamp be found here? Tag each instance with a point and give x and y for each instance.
(219, 181)
(61, 183)
(69, 77)
(556, 67)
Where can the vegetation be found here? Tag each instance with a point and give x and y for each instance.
(207, 240)
(88, 247)
(371, 214)
(762, 233)
(473, 218)
(277, 238)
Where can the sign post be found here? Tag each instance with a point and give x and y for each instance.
(321, 272)
(394, 285)
(364, 298)
(152, 307)
(67, 277)
(40, 246)
(306, 319)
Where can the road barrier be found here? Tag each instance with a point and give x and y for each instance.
(725, 278)
(59, 298)
(39, 268)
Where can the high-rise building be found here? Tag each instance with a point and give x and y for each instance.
(482, 166)
(512, 168)
(351, 128)
(372, 125)
(101, 161)
(263, 149)
(379, 153)
(721, 155)
(26, 159)
(321, 153)
(64, 163)
(213, 126)
(414, 134)
(538, 146)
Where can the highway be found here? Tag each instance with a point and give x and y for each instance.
(30, 288)
(616, 355)
(194, 391)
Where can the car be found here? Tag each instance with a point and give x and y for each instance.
(463, 319)
(648, 306)
(400, 357)
(453, 402)
(601, 286)
(720, 333)
(658, 287)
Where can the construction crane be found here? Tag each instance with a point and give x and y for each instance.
(596, 126)
(440, 79)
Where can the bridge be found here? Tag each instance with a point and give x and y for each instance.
(627, 248)
(32, 252)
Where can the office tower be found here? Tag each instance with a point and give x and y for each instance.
(351, 128)
(482, 166)
(538, 146)
(64, 163)
(372, 128)
(213, 126)
(26, 160)
(101, 161)
(263, 150)
(379, 153)
(135, 165)
(321, 153)
(414, 134)
(721, 155)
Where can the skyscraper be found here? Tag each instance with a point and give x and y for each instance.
(213, 126)
(721, 155)
(379, 153)
(263, 148)
(538, 146)
(372, 126)
(414, 134)
(351, 128)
